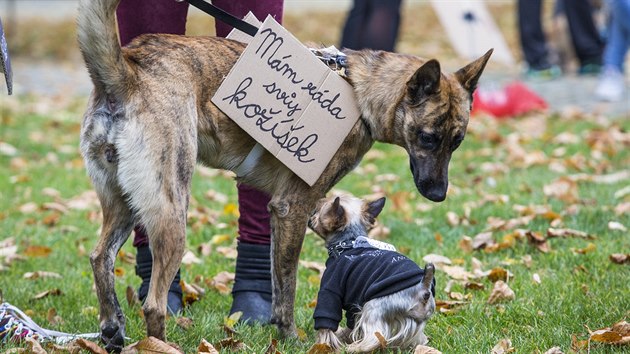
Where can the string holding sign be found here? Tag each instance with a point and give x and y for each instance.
(5, 60)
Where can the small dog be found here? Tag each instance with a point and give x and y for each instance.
(381, 290)
(150, 120)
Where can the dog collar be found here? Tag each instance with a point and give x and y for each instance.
(333, 58)
(336, 249)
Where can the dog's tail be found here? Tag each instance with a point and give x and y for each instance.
(393, 321)
(98, 41)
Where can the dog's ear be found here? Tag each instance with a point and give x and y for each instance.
(469, 75)
(425, 81)
(429, 274)
(374, 208)
(336, 210)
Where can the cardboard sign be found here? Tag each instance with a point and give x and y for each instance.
(5, 61)
(291, 103)
(241, 36)
(472, 30)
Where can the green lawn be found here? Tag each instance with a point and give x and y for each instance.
(500, 169)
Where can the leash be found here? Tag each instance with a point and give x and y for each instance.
(223, 16)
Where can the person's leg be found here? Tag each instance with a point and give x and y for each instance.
(611, 86)
(381, 28)
(533, 42)
(353, 27)
(586, 39)
(251, 293)
(136, 17)
(240, 8)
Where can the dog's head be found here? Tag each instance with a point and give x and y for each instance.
(435, 112)
(335, 215)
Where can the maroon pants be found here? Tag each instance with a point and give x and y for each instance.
(136, 17)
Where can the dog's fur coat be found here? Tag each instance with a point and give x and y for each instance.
(401, 299)
(150, 120)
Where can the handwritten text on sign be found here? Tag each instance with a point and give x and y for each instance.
(290, 102)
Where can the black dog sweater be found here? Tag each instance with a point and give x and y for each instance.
(357, 276)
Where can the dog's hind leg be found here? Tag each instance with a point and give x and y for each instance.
(289, 215)
(117, 225)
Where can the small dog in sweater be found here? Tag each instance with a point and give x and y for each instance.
(387, 297)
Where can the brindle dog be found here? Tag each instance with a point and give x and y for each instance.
(150, 120)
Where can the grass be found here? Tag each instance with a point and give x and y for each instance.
(576, 290)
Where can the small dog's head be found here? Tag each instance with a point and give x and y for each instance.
(435, 114)
(334, 216)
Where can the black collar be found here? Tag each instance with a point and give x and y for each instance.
(336, 249)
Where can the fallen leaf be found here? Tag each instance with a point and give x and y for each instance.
(504, 346)
(216, 239)
(52, 317)
(473, 286)
(132, 297)
(456, 272)
(228, 252)
(206, 348)
(563, 188)
(423, 349)
(119, 272)
(578, 345)
(554, 350)
(619, 258)
(28, 208)
(321, 348)
(7, 149)
(52, 292)
(40, 274)
(205, 249)
(231, 320)
(617, 226)
(436, 259)
(231, 209)
(497, 274)
(382, 341)
(37, 251)
(482, 240)
(230, 344)
(190, 258)
(90, 346)
(536, 278)
(149, 345)
(551, 232)
(452, 218)
(51, 220)
(316, 266)
(191, 292)
(588, 249)
(449, 306)
(221, 282)
(617, 334)
(500, 293)
(539, 241)
(466, 244)
(184, 322)
(272, 348)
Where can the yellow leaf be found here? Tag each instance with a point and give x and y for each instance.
(231, 320)
(216, 239)
(119, 272)
(206, 348)
(320, 348)
(381, 340)
(605, 336)
(37, 251)
(588, 249)
(231, 209)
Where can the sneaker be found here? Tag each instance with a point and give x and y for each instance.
(611, 85)
(590, 69)
(550, 73)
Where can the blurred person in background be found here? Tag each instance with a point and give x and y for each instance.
(611, 86)
(251, 292)
(586, 39)
(372, 24)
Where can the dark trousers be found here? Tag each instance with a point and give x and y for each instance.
(136, 17)
(587, 41)
(372, 24)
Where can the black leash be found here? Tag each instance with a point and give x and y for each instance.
(224, 16)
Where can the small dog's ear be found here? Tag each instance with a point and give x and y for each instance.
(337, 210)
(425, 81)
(429, 273)
(374, 208)
(469, 75)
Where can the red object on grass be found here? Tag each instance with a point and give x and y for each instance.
(512, 100)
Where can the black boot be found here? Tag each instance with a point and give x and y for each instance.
(144, 264)
(251, 293)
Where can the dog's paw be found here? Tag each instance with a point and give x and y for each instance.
(113, 336)
(287, 331)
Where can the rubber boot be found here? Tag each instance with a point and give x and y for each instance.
(251, 293)
(144, 264)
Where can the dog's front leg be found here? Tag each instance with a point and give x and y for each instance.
(288, 225)
(117, 225)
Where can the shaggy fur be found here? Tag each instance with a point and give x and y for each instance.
(150, 120)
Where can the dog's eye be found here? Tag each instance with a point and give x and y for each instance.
(429, 141)
(457, 141)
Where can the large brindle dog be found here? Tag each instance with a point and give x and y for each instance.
(150, 120)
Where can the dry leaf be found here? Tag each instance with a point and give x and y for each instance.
(40, 274)
(230, 344)
(37, 251)
(28, 208)
(617, 226)
(457, 272)
(563, 188)
(228, 252)
(501, 292)
(381, 340)
(578, 345)
(466, 244)
(52, 317)
(149, 345)
(452, 218)
(205, 249)
(619, 258)
(473, 286)
(482, 240)
(231, 320)
(190, 258)
(449, 306)
(206, 348)
(184, 322)
(588, 249)
(617, 334)
(539, 241)
(273, 347)
(504, 346)
(132, 297)
(497, 274)
(316, 266)
(119, 272)
(423, 349)
(554, 350)
(551, 232)
(191, 292)
(52, 292)
(536, 278)
(90, 346)
(436, 259)
(321, 348)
